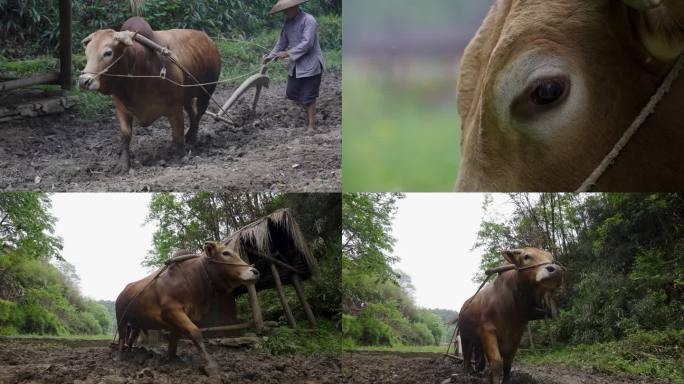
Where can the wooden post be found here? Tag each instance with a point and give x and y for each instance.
(281, 295)
(65, 44)
(302, 299)
(256, 309)
(529, 337)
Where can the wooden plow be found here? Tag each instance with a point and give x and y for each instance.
(257, 81)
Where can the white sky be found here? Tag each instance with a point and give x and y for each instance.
(435, 234)
(104, 238)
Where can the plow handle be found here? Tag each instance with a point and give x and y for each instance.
(499, 269)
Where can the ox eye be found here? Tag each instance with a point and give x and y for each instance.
(226, 253)
(107, 53)
(527, 257)
(546, 92)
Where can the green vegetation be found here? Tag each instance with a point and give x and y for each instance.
(285, 341)
(397, 137)
(377, 304)
(654, 354)
(38, 289)
(621, 308)
(441, 349)
(29, 27)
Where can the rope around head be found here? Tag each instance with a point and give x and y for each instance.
(591, 181)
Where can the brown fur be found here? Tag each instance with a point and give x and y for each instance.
(619, 68)
(492, 322)
(179, 298)
(146, 100)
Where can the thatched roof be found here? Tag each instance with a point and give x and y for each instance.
(274, 237)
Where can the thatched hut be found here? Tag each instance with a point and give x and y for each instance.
(275, 245)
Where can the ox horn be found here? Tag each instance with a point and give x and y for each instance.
(125, 37)
(87, 39)
(643, 5)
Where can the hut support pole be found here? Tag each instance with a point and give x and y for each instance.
(302, 299)
(256, 308)
(281, 295)
(65, 44)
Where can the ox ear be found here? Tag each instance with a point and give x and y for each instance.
(512, 255)
(124, 37)
(210, 248)
(87, 40)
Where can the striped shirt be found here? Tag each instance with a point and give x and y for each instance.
(300, 38)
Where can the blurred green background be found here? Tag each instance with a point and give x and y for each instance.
(400, 63)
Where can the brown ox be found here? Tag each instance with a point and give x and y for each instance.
(547, 88)
(179, 297)
(147, 99)
(494, 319)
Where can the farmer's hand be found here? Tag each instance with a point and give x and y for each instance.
(282, 55)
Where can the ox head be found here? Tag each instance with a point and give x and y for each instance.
(232, 269)
(102, 49)
(539, 266)
(547, 87)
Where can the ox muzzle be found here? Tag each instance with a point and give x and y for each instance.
(88, 82)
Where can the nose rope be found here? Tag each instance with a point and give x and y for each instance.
(648, 110)
(102, 72)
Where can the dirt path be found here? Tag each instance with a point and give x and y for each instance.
(94, 362)
(271, 151)
(398, 368)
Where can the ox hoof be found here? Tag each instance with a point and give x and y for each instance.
(191, 138)
(212, 370)
(121, 169)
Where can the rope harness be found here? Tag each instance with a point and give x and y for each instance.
(168, 263)
(648, 110)
(166, 53)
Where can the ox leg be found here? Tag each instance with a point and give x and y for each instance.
(173, 345)
(126, 128)
(133, 337)
(507, 362)
(182, 322)
(467, 355)
(178, 131)
(123, 334)
(490, 347)
(195, 108)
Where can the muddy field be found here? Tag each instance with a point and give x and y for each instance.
(269, 151)
(86, 362)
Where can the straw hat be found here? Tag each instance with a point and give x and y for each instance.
(282, 5)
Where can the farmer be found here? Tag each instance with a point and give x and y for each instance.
(299, 43)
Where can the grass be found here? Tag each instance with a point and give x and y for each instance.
(396, 137)
(325, 340)
(61, 337)
(441, 349)
(652, 354)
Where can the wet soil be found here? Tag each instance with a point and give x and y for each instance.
(431, 368)
(269, 151)
(94, 362)
(39, 361)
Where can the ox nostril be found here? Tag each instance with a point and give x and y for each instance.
(551, 268)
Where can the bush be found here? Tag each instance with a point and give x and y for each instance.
(29, 25)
